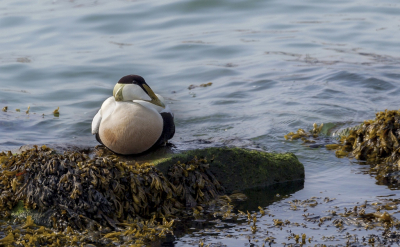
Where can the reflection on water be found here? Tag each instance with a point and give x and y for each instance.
(256, 197)
(328, 210)
(268, 195)
(275, 66)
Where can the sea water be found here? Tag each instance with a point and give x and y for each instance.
(275, 66)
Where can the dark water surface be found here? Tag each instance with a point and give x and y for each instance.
(276, 66)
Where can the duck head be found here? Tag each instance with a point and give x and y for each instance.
(134, 87)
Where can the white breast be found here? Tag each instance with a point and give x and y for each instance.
(129, 127)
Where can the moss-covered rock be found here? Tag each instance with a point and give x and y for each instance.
(240, 169)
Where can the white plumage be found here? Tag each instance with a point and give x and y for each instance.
(134, 119)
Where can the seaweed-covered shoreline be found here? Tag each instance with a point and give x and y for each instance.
(110, 200)
(375, 141)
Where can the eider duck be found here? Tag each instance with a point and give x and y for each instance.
(134, 119)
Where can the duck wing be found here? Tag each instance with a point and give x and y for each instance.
(96, 123)
(106, 109)
(169, 125)
(168, 128)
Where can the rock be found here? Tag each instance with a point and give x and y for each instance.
(240, 169)
(236, 168)
(342, 132)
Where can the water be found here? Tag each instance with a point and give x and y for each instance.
(276, 66)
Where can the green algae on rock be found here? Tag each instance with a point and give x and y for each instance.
(239, 168)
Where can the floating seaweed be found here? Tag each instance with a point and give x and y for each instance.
(192, 86)
(56, 112)
(305, 135)
(71, 193)
(364, 223)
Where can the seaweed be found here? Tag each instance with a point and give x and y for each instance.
(71, 198)
(374, 141)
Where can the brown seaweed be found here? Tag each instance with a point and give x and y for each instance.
(375, 141)
(114, 201)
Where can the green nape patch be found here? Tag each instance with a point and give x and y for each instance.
(375, 141)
